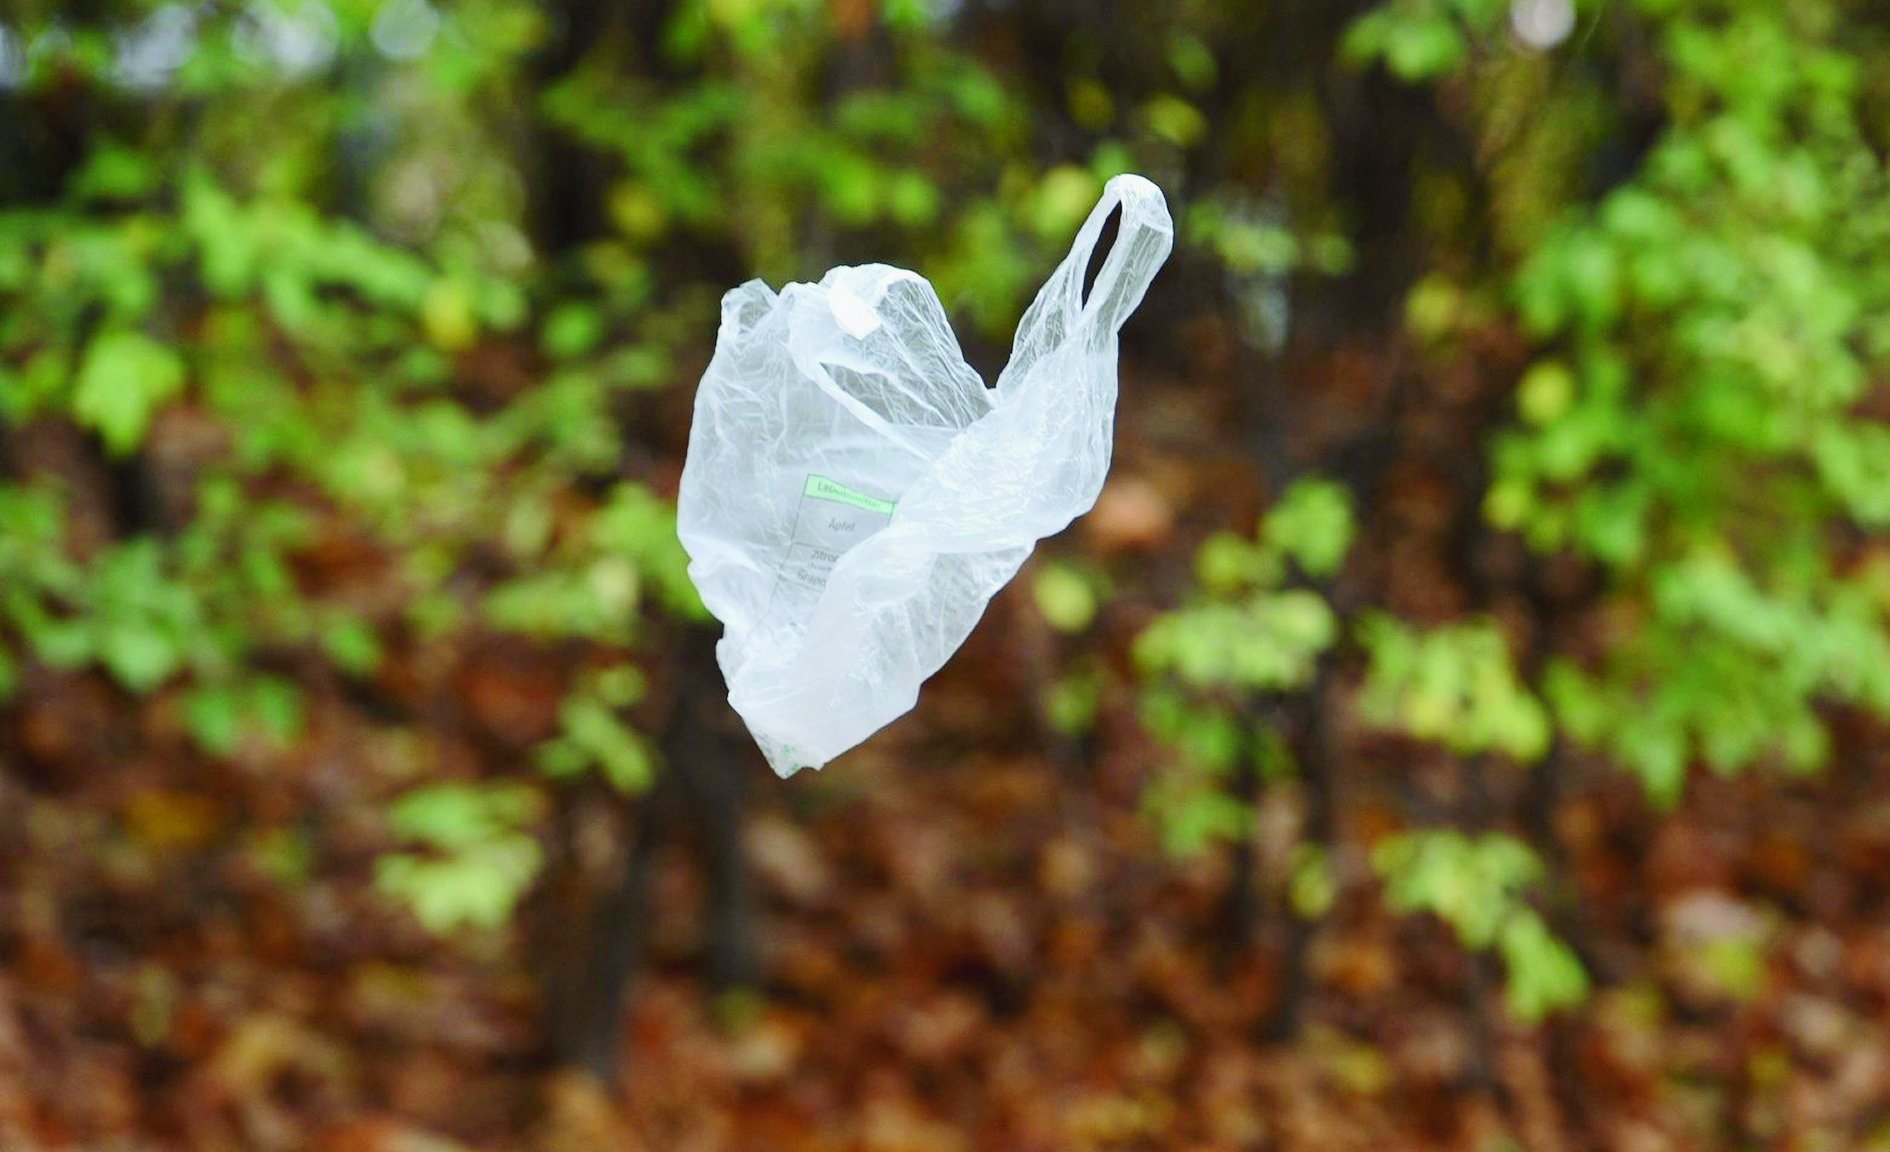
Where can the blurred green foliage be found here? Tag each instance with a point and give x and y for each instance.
(1476, 885)
(1687, 207)
(1716, 320)
(1453, 685)
(1709, 327)
(480, 863)
(1257, 627)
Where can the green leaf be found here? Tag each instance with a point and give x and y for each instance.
(912, 200)
(1175, 120)
(352, 645)
(1064, 198)
(1227, 564)
(1454, 685)
(1312, 523)
(214, 716)
(276, 706)
(571, 330)
(448, 315)
(139, 657)
(1415, 42)
(123, 380)
(1543, 973)
(1477, 885)
(454, 816)
(481, 859)
(1193, 61)
(1064, 598)
(593, 734)
(475, 888)
(1071, 702)
(115, 173)
(1311, 888)
(1546, 392)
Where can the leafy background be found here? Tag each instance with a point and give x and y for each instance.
(1460, 725)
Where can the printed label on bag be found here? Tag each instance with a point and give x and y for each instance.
(821, 488)
(829, 521)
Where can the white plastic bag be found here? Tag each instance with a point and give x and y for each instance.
(854, 495)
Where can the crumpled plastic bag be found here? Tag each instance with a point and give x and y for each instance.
(854, 495)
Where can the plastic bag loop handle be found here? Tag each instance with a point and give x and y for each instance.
(1143, 239)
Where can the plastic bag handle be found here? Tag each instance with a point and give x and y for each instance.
(1143, 239)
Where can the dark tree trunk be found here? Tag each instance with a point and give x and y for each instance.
(709, 752)
(1240, 906)
(701, 788)
(1318, 782)
(585, 1015)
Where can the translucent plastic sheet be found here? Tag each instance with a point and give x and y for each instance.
(854, 495)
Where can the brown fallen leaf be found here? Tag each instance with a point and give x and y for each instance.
(1131, 515)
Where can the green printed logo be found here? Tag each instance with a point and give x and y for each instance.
(821, 488)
